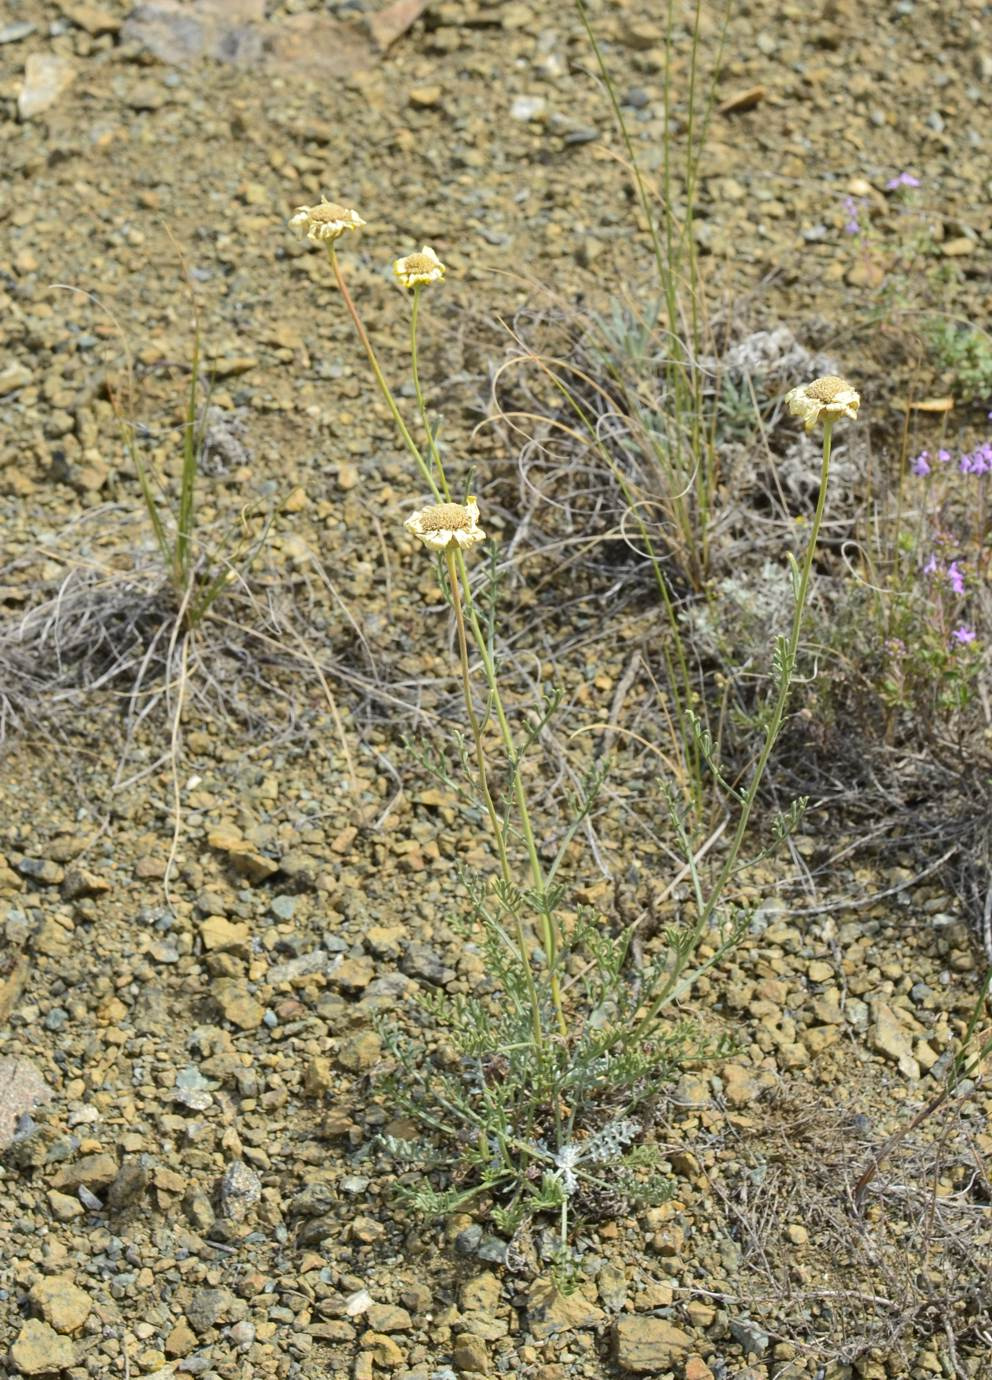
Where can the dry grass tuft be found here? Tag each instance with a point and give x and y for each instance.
(907, 1273)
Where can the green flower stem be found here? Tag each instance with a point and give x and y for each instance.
(428, 430)
(673, 987)
(380, 377)
(548, 937)
(454, 583)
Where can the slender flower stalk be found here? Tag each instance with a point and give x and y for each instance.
(454, 581)
(380, 377)
(824, 400)
(415, 369)
(549, 939)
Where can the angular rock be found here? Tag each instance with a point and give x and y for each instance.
(470, 1355)
(39, 1350)
(93, 18)
(129, 1185)
(22, 1088)
(889, 1036)
(646, 1345)
(386, 1317)
(236, 1004)
(221, 936)
(92, 1171)
(61, 1303)
(382, 1349)
(79, 882)
(210, 1307)
(240, 1190)
(550, 1312)
(360, 1052)
(389, 24)
(480, 1294)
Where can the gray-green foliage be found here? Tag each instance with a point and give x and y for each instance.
(965, 352)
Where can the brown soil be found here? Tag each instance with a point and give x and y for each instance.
(205, 1161)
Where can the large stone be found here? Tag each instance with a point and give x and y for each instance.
(236, 1004)
(22, 1088)
(550, 1312)
(61, 1303)
(360, 1052)
(480, 1294)
(470, 1355)
(387, 1317)
(219, 935)
(39, 1350)
(647, 1345)
(92, 1171)
(209, 1308)
(46, 77)
(889, 1036)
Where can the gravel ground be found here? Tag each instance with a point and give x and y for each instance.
(191, 1074)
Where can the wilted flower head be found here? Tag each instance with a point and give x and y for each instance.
(828, 397)
(416, 270)
(328, 221)
(443, 523)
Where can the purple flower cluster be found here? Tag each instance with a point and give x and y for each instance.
(904, 179)
(978, 461)
(852, 226)
(952, 573)
(946, 567)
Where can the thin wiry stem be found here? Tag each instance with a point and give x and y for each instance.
(415, 370)
(380, 377)
(499, 838)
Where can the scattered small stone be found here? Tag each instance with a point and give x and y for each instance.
(528, 108)
(13, 33)
(93, 18)
(41, 870)
(240, 1190)
(79, 882)
(353, 974)
(64, 1208)
(480, 1293)
(889, 1036)
(211, 1307)
(181, 1340)
(366, 1230)
(46, 78)
(549, 1311)
(749, 1336)
(386, 1317)
(242, 1334)
(425, 97)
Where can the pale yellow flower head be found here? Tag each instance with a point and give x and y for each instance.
(417, 270)
(327, 222)
(444, 523)
(828, 398)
